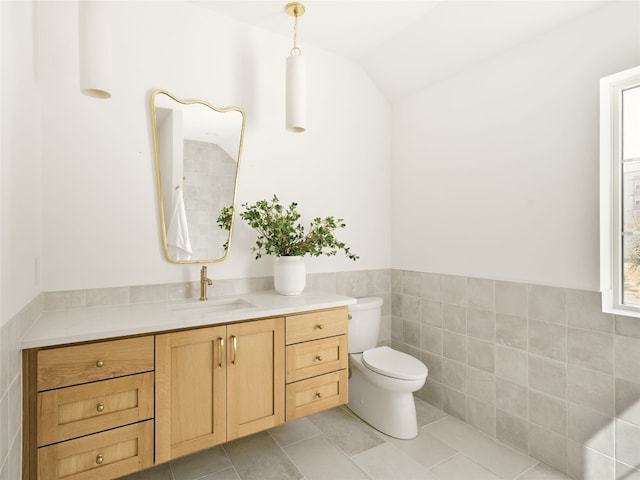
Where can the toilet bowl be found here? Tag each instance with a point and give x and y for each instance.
(381, 380)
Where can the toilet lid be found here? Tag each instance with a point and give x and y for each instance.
(389, 362)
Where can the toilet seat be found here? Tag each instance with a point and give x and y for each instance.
(391, 363)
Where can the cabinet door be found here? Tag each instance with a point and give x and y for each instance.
(190, 391)
(255, 376)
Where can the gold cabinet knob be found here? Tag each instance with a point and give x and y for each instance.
(350, 316)
(319, 358)
(99, 363)
(319, 326)
(100, 407)
(99, 459)
(318, 395)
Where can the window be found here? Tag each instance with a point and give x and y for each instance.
(620, 192)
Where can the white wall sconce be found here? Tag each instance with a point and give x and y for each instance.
(296, 78)
(94, 38)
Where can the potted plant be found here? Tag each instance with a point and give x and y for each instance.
(281, 235)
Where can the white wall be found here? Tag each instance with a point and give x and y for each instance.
(20, 143)
(100, 219)
(495, 171)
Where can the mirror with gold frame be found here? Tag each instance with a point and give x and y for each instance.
(198, 149)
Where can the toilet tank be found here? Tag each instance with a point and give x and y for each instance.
(364, 324)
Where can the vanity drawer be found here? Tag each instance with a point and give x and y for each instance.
(102, 456)
(61, 367)
(316, 394)
(314, 325)
(310, 359)
(72, 412)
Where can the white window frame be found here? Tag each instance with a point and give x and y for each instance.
(611, 274)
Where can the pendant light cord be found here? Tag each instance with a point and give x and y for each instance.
(295, 50)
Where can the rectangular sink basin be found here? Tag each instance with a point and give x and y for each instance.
(211, 306)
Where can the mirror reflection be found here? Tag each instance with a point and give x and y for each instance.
(198, 150)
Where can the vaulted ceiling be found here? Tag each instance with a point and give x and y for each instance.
(407, 45)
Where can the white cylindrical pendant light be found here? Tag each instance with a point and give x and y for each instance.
(95, 48)
(296, 94)
(296, 108)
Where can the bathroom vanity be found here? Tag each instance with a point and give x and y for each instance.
(112, 390)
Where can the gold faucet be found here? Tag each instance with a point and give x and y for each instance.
(204, 281)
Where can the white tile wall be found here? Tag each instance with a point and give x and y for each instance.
(540, 368)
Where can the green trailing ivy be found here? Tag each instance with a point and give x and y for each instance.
(280, 234)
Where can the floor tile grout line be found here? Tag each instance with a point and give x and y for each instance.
(282, 447)
(522, 474)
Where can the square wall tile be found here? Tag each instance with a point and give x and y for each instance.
(584, 310)
(411, 283)
(411, 308)
(548, 340)
(511, 364)
(481, 324)
(590, 349)
(431, 393)
(627, 326)
(454, 403)
(511, 331)
(590, 428)
(481, 294)
(627, 397)
(547, 304)
(454, 375)
(548, 376)
(454, 290)
(549, 447)
(590, 389)
(431, 339)
(481, 354)
(432, 313)
(548, 412)
(512, 398)
(482, 416)
(511, 299)
(411, 333)
(431, 287)
(454, 346)
(627, 353)
(481, 385)
(454, 318)
(433, 363)
(512, 430)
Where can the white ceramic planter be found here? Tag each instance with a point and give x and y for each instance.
(289, 275)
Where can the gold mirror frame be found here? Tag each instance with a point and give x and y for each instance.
(163, 222)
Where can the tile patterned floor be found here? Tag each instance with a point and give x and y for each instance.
(336, 445)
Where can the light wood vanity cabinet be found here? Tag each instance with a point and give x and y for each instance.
(102, 410)
(317, 361)
(217, 384)
(93, 410)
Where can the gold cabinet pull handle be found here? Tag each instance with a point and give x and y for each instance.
(319, 358)
(99, 459)
(320, 326)
(350, 316)
(234, 348)
(318, 395)
(99, 364)
(220, 349)
(100, 407)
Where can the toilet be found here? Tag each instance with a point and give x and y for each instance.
(381, 380)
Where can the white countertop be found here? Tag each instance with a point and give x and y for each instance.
(97, 323)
